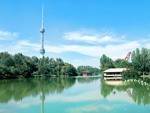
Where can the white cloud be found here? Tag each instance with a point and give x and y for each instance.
(6, 35)
(93, 38)
(93, 51)
(86, 61)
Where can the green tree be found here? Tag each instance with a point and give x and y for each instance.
(18, 65)
(121, 63)
(141, 60)
(59, 65)
(106, 62)
(68, 70)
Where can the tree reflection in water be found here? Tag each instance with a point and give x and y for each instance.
(18, 89)
(137, 90)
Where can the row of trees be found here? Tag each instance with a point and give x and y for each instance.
(18, 65)
(140, 62)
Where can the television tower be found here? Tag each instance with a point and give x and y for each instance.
(42, 31)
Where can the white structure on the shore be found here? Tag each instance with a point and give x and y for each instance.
(42, 31)
(114, 73)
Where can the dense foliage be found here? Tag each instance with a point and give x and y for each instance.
(106, 62)
(89, 69)
(121, 63)
(141, 60)
(18, 65)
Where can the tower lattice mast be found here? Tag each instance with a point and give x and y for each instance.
(42, 31)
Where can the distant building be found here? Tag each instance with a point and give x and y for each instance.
(86, 73)
(114, 74)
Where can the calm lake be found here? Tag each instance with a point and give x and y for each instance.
(72, 95)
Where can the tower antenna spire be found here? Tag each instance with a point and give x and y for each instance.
(42, 31)
(42, 16)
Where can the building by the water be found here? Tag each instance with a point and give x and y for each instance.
(86, 73)
(114, 74)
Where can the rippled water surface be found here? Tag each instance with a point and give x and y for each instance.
(73, 95)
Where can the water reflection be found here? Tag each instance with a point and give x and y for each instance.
(139, 91)
(18, 90)
(86, 79)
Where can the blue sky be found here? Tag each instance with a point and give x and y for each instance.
(78, 31)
